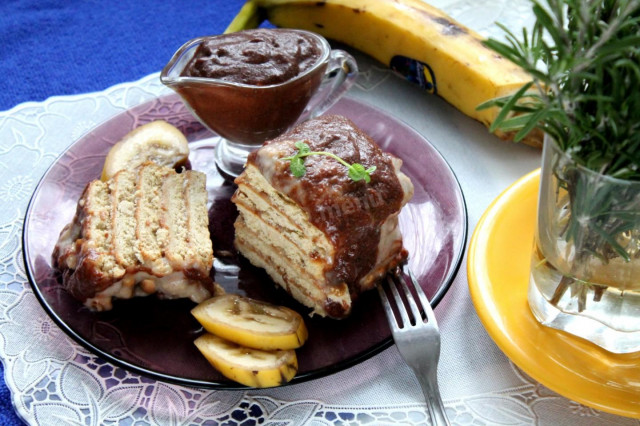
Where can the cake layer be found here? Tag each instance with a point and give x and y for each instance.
(151, 236)
(123, 221)
(175, 220)
(262, 207)
(274, 233)
(325, 301)
(278, 208)
(200, 257)
(144, 231)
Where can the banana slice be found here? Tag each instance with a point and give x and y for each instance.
(250, 367)
(251, 323)
(158, 141)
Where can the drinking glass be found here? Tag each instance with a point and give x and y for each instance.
(585, 267)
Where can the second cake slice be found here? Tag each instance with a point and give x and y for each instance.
(323, 237)
(143, 231)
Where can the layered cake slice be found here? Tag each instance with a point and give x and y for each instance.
(143, 231)
(321, 235)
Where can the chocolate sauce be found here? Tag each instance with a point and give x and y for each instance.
(259, 57)
(350, 213)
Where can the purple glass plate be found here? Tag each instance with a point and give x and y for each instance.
(155, 337)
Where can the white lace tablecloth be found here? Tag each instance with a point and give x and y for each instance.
(54, 381)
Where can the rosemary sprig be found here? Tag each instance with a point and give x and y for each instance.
(356, 171)
(584, 60)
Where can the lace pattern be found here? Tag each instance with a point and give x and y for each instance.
(55, 381)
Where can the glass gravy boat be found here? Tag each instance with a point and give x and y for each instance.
(243, 115)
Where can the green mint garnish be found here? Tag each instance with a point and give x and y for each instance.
(303, 148)
(358, 172)
(297, 166)
(355, 171)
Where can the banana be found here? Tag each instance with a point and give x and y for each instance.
(412, 38)
(248, 17)
(158, 141)
(251, 323)
(250, 367)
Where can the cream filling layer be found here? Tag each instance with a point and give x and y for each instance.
(171, 286)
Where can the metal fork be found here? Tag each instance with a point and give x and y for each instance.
(417, 337)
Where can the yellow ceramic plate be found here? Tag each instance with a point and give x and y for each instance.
(498, 270)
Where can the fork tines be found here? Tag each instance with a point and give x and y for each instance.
(415, 332)
(410, 294)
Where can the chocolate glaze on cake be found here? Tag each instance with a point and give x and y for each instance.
(258, 57)
(350, 213)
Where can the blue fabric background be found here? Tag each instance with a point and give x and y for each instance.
(53, 47)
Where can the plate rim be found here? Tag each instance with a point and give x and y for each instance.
(477, 246)
(230, 385)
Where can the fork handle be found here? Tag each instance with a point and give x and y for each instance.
(434, 401)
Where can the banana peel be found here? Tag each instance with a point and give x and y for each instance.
(412, 38)
(249, 16)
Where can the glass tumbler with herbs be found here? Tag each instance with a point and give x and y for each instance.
(584, 59)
